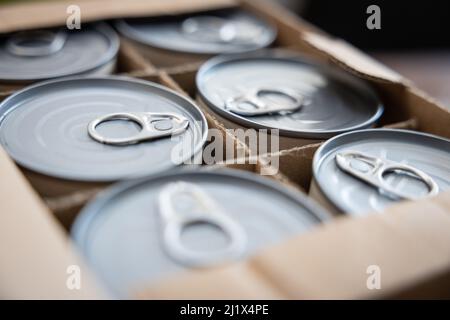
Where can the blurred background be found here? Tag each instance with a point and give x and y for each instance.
(414, 37)
(413, 40)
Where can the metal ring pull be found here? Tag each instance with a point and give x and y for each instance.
(205, 210)
(255, 106)
(52, 42)
(378, 168)
(209, 29)
(153, 126)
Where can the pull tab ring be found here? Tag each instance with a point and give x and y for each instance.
(153, 126)
(205, 211)
(378, 168)
(52, 43)
(252, 98)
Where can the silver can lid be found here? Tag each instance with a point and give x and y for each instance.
(65, 128)
(129, 234)
(279, 90)
(366, 171)
(215, 32)
(51, 53)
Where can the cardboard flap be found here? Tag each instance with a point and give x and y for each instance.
(408, 243)
(36, 256)
(351, 58)
(40, 14)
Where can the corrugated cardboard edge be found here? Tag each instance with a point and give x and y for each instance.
(42, 14)
(334, 49)
(35, 253)
(332, 261)
(352, 59)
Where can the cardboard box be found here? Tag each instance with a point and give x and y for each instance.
(410, 241)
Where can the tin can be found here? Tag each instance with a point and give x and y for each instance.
(84, 132)
(176, 40)
(369, 170)
(305, 101)
(140, 232)
(31, 56)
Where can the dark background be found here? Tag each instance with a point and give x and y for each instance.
(404, 24)
(414, 39)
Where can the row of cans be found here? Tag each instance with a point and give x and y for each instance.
(84, 132)
(81, 132)
(31, 56)
(141, 232)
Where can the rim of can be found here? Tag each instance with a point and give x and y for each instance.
(109, 56)
(198, 148)
(291, 56)
(81, 227)
(332, 143)
(125, 29)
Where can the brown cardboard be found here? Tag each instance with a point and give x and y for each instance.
(23, 16)
(165, 58)
(35, 252)
(130, 60)
(350, 57)
(409, 241)
(284, 142)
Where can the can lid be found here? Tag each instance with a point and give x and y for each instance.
(277, 89)
(46, 128)
(214, 32)
(129, 227)
(52, 53)
(368, 170)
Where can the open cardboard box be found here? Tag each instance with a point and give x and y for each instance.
(410, 242)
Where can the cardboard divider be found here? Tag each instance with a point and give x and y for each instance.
(5, 94)
(129, 60)
(185, 77)
(296, 164)
(67, 207)
(431, 115)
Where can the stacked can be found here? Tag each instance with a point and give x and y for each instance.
(366, 171)
(305, 101)
(190, 38)
(186, 220)
(31, 56)
(78, 133)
